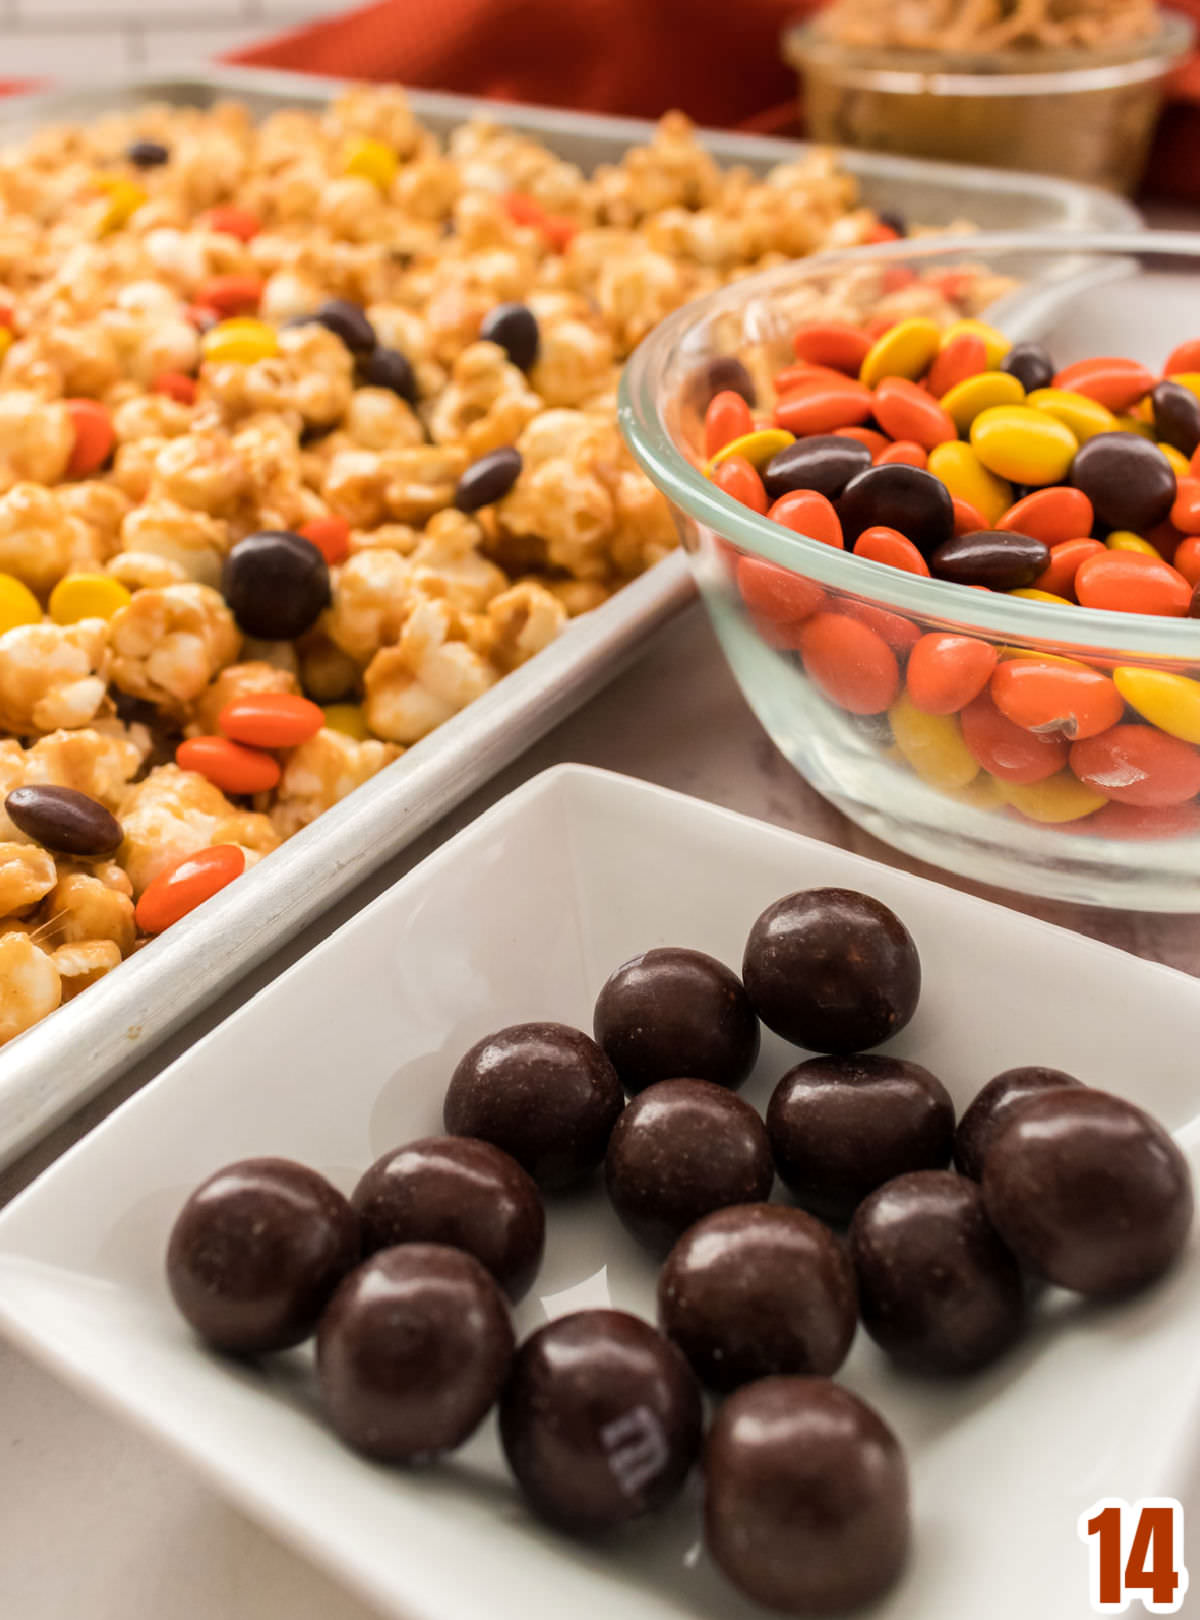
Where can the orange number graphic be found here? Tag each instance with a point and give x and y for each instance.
(1136, 1555)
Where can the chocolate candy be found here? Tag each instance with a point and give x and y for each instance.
(147, 154)
(1176, 416)
(999, 559)
(276, 584)
(758, 1289)
(842, 1126)
(1030, 365)
(823, 462)
(600, 1421)
(460, 1192)
(1128, 480)
(515, 328)
(893, 220)
(488, 479)
(670, 1014)
(680, 1150)
(806, 1497)
(992, 1107)
(1088, 1191)
(256, 1252)
(543, 1093)
(898, 497)
(832, 969)
(937, 1288)
(713, 377)
(348, 322)
(63, 820)
(388, 368)
(412, 1352)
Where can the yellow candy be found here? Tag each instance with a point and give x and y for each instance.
(1126, 540)
(347, 718)
(964, 475)
(1027, 445)
(242, 339)
(372, 159)
(6, 341)
(18, 604)
(1180, 465)
(967, 399)
(1032, 595)
(1058, 798)
(87, 596)
(1135, 424)
(933, 745)
(1170, 702)
(1085, 417)
(907, 349)
(1189, 379)
(125, 197)
(757, 447)
(981, 794)
(995, 343)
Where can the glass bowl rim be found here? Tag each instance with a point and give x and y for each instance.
(998, 614)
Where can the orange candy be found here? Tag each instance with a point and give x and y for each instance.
(901, 634)
(228, 765)
(946, 672)
(1053, 696)
(964, 356)
(1186, 560)
(1058, 577)
(1138, 765)
(271, 719)
(851, 663)
(1185, 513)
(793, 377)
(907, 412)
(809, 513)
(876, 443)
(776, 593)
(1108, 379)
(832, 343)
(330, 535)
(738, 478)
(176, 385)
(187, 883)
(904, 452)
(968, 519)
(231, 295)
(1132, 821)
(1184, 358)
(884, 545)
(823, 405)
(1050, 515)
(231, 221)
(1005, 749)
(94, 436)
(727, 417)
(1130, 582)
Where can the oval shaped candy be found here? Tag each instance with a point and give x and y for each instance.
(1170, 702)
(898, 497)
(1001, 560)
(1128, 582)
(1138, 765)
(187, 883)
(63, 820)
(1128, 480)
(1006, 750)
(1051, 515)
(1176, 416)
(1111, 380)
(1026, 445)
(946, 671)
(851, 663)
(825, 463)
(1054, 696)
(271, 719)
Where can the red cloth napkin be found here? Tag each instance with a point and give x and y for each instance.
(717, 59)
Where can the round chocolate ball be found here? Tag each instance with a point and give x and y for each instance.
(460, 1192)
(670, 1014)
(349, 322)
(600, 1421)
(256, 1252)
(993, 1105)
(832, 970)
(680, 1150)
(412, 1352)
(758, 1289)
(1088, 1191)
(388, 368)
(841, 1126)
(515, 328)
(937, 1288)
(276, 584)
(543, 1093)
(806, 1497)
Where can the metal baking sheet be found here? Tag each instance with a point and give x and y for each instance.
(59, 1064)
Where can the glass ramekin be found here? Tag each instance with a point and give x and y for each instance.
(1085, 114)
(1135, 294)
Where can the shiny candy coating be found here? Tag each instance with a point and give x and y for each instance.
(388, 368)
(18, 604)
(1030, 364)
(271, 720)
(889, 546)
(1052, 515)
(932, 745)
(964, 475)
(850, 662)
(806, 1505)
(992, 1107)
(1025, 445)
(489, 479)
(276, 584)
(349, 322)
(1085, 417)
(1000, 559)
(147, 154)
(946, 672)
(906, 411)
(515, 328)
(1137, 765)
(832, 343)
(256, 1252)
(962, 357)
(757, 447)
(1088, 1191)
(63, 820)
(601, 1421)
(242, 340)
(372, 159)
(995, 343)
(1128, 480)
(904, 498)
(1170, 702)
(1053, 801)
(229, 765)
(987, 391)
(823, 404)
(95, 436)
(824, 463)
(1176, 416)
(727, 418)
(806, 512)
(1130, 582)
(1005, 749)
(907, 349)
(1053, 695)
(681, 1149)
(86, 596)
(739, 480)
(756, 1290)
(412, 1352)
(722, 371)
(186, 884)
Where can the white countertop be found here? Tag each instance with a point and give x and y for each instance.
(97, 1523)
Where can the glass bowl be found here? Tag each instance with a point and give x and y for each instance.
(913, 784)
(1085, 114)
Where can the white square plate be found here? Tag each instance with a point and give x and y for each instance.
(522, 916)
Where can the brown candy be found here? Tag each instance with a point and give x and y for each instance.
(64, 820)
(992, 1107)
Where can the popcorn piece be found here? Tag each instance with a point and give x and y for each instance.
(53, 675)
(168, 644)
(36, 439)
(30, 986)
(194, 542)
(84, 964)
(323, 771)
(82, 906)
(236, 681)
(36, 537)
(99, 765)
(174, 813)
(424, 679)
(27, 872)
